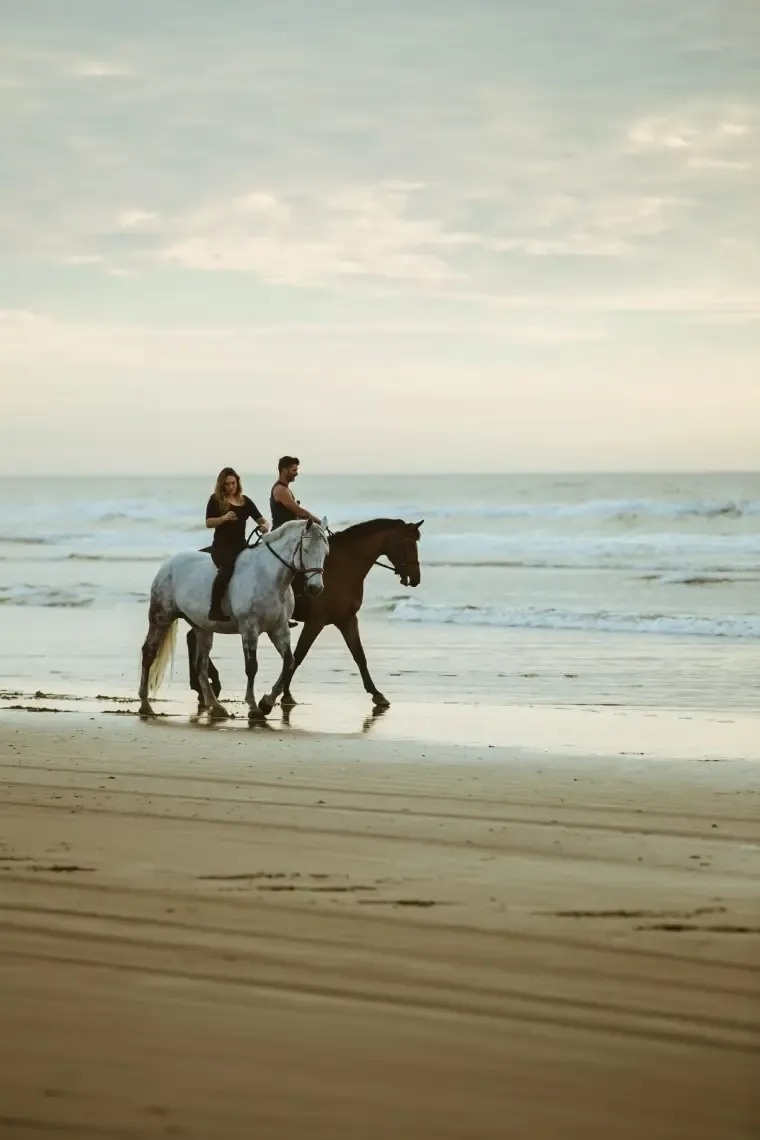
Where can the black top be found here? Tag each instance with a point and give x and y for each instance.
(230, 536)
(280, 514)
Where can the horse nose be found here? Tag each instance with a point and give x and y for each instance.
(315, 586)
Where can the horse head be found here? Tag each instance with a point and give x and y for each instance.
(403, 553)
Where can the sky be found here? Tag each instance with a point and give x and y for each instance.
(434, 235)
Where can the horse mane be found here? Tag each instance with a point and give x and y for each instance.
(291, 524)
(272, 535)
(365, 529)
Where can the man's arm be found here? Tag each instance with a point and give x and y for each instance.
(284, 496)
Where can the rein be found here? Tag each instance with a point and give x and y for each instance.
(259, 535)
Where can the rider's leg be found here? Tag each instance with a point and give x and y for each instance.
(299, 583)
(225, 568)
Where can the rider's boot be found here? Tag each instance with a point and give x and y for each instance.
(217, 593)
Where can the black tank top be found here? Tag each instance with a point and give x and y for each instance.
(280, 514)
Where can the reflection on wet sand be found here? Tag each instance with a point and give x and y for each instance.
(239, 720)
(378, 711)
(571, 730)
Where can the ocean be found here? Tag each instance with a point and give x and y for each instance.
(574, 591)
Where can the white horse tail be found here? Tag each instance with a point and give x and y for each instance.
(163, 657)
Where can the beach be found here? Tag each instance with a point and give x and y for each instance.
(520, 902)
(216, 931)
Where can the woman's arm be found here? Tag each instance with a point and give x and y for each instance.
(212, 522)
(213, 518)
(256, 515)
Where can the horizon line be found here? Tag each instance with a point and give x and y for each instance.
(525, 472)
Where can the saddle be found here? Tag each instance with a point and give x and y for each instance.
(302, 602)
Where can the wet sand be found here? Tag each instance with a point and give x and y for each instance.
(228, 934)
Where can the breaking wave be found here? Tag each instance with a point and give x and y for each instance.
(623, 509)
(79, 596)
(704, 553)
(731, 626)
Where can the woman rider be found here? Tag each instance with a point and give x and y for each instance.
(226, 514)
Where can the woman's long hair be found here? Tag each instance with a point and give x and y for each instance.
(219, 494)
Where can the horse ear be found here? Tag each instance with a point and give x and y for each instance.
(323, 524)
(309, 524)
(419, 524)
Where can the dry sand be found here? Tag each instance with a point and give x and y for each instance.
(232, 934)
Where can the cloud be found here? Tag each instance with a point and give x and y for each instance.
(594, 227)
(361, 231)
(707, 163)
(131, 219)
(101, 69)
(28, 338)
(575, 245)
(705, 135)
(332, 170)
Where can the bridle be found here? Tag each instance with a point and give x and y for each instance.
(402, 568)
(307, 571)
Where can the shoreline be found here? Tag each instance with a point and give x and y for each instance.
(313, 936)
(612, 731)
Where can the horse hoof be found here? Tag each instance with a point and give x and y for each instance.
(380, 702)
(265, 706)
(145, 710)
(288, 702)
(218, 712)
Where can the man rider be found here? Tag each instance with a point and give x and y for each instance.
(284, 507)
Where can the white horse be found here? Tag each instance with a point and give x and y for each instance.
(259, 600)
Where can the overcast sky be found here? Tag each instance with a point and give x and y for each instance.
(437, 235)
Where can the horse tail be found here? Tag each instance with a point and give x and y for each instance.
(163, 657)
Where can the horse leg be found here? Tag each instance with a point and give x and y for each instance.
(151, 646)
(214, 678)
(192, 652)
(350, 631)
(250, 638)
(203, 642)
(213, 675)
(309, 635)
(280, 639)
(160, 624)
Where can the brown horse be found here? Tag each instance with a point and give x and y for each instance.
(353, 553)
